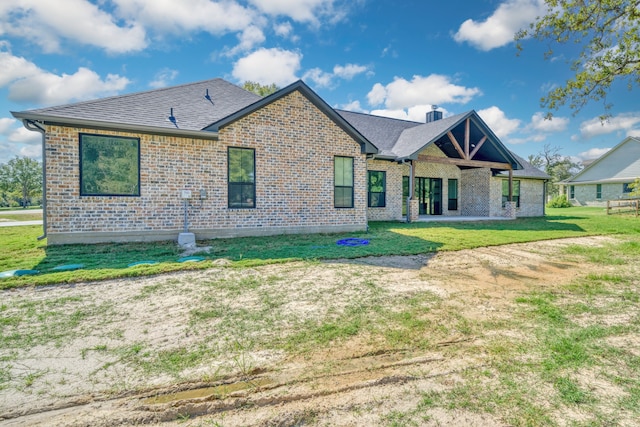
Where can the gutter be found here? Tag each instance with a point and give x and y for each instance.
(35, 127)
(97, 124)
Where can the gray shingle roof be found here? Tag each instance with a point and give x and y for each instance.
(528, 171)
(153, 108)
(383, 132)
(414, 139)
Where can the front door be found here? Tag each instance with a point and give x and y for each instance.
(429, 195)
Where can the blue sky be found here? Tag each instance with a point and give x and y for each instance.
(381, 57)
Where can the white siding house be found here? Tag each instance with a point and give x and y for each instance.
(608, 177)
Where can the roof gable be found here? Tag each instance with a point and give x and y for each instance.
(300, 86)
(621, 163)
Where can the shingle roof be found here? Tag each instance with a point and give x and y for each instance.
(528, 171)
(153, 108)
(383, 132)
(414, 139)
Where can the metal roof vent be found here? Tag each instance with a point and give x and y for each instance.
(434, 114)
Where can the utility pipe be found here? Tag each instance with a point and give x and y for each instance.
(35, 127)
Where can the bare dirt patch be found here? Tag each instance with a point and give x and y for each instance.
(205, 348)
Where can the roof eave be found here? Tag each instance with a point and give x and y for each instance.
(98, 124)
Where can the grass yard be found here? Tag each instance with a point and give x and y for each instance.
(541, 334)
(19, 248)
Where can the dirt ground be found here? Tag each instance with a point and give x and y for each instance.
(81, 379)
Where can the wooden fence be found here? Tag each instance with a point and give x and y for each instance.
(623, 206)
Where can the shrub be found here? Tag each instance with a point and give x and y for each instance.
(559, 202)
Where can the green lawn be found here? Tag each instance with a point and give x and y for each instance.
(19, 248)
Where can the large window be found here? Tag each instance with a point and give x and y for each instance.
(109, 165)
(343, 182)
(505, 192)
(377, 189)
(453, 194)
(242, 178)
(598, 191)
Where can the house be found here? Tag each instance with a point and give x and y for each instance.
(606, 178)
(219, 161)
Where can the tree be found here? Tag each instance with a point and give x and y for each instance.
(258, 89)
(557, 166)
(23, 175)
(608, 33)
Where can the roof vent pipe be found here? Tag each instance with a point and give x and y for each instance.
(207, 97)
(172, 118)
(434, 114)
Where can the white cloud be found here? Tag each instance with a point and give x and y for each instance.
(47, 23)
(186, 16)
(499, 28)
(324, 79)
(13, 68)
(283, 30)
(555, 124)
(30, 84)
(433, 89)
(318, 77)
(16, 140)
(6, 124)
(622, 122)
(300, 10)
(349, 71)
(267, 66)
(415, 113)
(250, 37)
(353, 106)
(497, 120)
(593, 153)
(163, 78)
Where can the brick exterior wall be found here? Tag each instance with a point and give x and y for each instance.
(531, 197)
(585, 194)
(294, 144)
(475, 192)
(394, 173)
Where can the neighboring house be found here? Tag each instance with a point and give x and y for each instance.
(606, 178)
(121, 168)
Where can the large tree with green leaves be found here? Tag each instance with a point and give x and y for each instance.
(557, 166)
(258, 89)
(22, 175)
(608, 35)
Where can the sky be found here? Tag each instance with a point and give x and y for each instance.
(388, 58)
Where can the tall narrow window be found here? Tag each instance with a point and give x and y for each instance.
(405, 193)
(453, 194)
(377, 189)
(516, 192)
(242, 178)
(343, 182)
(109, 165)
(572, 191)
(598, 191)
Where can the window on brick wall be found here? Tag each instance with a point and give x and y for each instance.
(343, 182)
(377, 189)
(505, 192)
(109, 165)
(598, 191)
(242, 177)
(452, 186)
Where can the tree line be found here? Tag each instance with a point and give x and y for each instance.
(20, 183)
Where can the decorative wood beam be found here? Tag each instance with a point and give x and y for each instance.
(456, 145)
(466, 139)
(475, 150)
(464, 162)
